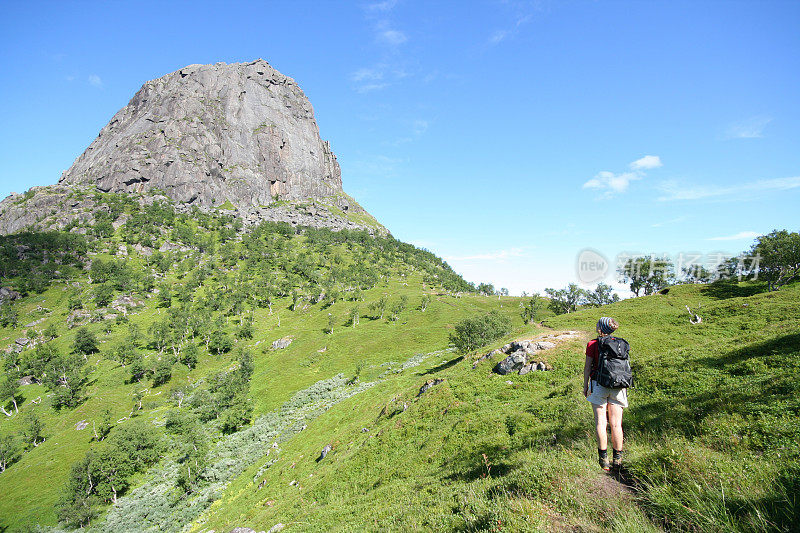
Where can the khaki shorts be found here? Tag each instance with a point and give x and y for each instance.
(600, 395)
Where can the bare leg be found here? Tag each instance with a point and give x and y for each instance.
(600, 426)
(615, 417)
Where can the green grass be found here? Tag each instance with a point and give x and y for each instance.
(712, 437)
(712, 433)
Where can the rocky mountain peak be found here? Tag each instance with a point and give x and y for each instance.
(210, 134)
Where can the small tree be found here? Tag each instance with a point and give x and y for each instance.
(32, 430)
(472, 333)
(649, 274)
(8, 315)
(331, 323)
(85, 342)
(9, 391)
(354, 315)
(398, 308)
(602, 295)
(102, 430)
(530, 308)
(50, 332)
(162, 372)
(8, 451)
(219, 342)
(779, 261)
(426, 300)
(246, 329)
(103, 294)
(189, 356)
(487, 289)
(379, 306)
(566, 300)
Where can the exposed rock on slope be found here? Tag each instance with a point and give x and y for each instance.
(238, 137)
(207, 134)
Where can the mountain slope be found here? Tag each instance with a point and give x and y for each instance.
(712, 436)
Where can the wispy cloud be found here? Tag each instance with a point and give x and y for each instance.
(375, 166)
(499, 255)
(377, 77)
(646, 163)
(386, 5)
(391, 37)
(742, 235)
(370, 74)
(670, 222)
(615, 183)
(502, 34)
(673, 190)
(420, 126)
(95, 81)
(751, 128)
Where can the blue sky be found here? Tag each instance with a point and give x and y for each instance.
(505, 136)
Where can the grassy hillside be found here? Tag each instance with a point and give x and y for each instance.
(210, 280)
(712, 435)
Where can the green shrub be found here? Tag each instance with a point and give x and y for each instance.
(472, 333)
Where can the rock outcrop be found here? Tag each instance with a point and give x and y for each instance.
(208, 134)
(237, 139)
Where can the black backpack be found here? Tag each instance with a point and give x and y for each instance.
(613, 365)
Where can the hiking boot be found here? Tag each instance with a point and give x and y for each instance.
(616, 462)
(602, 456)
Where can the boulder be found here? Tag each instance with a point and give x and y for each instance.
(282, 343)
(545, 345)
(78, 317)
(27, 380)
(530, 367)
(8, 294)
(34, 323)
(427, 386)
(324, 452)
(512, 363)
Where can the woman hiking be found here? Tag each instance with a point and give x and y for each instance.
(607, 363)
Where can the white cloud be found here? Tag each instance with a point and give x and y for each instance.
(95, 81)
(672, 190)
(386, 5)
(392, 37)
(374, 166)
(377, 77)
(618, 183)
(646, 163)
(367, 74)
(500, 35)
(420, 126)
(739, 236)
(751, 128)
(369, 87)
(614, 183)
(500, 255)
(669, 222)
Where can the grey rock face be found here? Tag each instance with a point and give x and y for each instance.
(7, 293)
(428, 385)
(282, 343)
(512, 363)
(324, 452)
(206, 134)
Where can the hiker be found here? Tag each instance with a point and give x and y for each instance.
(606, 378)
